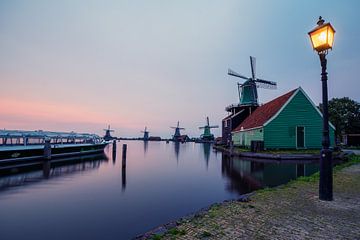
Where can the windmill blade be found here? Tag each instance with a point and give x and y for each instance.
(261, 83)
(207, 121)
(181, 128)
(253, 66)
(235, 74)
(201, 127)
(215, 126)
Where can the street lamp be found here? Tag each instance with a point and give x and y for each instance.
(322, 39)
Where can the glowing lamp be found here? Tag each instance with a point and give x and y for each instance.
(322, 36)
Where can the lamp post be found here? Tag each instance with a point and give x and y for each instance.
(322, 39)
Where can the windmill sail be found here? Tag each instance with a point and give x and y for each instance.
(248, 90)
(235, 74)
(253, 65)
(260, 83)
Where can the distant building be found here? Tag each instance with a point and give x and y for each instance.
(351, 139)
(238, 113)
(153, 138)
(289, 121)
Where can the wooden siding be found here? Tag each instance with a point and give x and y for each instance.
(281, 131)
(244, 138)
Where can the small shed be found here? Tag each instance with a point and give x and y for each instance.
(291, 121)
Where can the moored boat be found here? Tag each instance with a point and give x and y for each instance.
(18, 146)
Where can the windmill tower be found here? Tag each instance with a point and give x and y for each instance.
(108, 136)
(248, 100)
(207, 135)
(177, 136)
(146, 134)
(248, 90)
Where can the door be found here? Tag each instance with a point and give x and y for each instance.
(300, 137)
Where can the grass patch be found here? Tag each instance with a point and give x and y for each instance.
(312, 178)
(353, 159)
(157, 237)
(176, 231)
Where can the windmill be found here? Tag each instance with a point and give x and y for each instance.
(248, 90)
(108, 136)
(207, 134)
(177, 136)
(146, 134)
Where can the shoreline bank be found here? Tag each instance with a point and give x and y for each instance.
(276, 156)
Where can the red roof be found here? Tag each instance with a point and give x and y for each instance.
(263, 113)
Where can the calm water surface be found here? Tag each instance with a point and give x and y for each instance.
(96, 199)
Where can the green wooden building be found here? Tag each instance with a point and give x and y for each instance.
(287, 122)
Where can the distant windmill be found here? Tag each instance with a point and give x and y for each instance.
(177, 136)
(108, 136)
(207, 134)
(146, 134)
(248, 90)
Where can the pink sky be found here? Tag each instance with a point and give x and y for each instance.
(80, 65)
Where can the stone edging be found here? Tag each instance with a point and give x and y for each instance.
(167, 226)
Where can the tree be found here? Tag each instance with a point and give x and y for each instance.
(344, 113)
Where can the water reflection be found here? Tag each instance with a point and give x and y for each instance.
(123, 179)
(154, 186)
(177, 150)
(206, 149)
(146, 143)
(246, 176)
(44, 170)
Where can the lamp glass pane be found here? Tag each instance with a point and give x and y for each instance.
(319, 37)
(330, 34)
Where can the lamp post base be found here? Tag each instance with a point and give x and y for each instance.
(326, 176)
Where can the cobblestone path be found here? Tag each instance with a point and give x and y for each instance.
(289, 212)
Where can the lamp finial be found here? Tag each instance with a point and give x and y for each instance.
(320, 21)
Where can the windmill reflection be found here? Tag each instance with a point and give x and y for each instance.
(206, 148)
(177, 150)
(146, 143)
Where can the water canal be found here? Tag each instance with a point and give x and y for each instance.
(95, 199)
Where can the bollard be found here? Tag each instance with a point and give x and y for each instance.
(47, 149)
(124, 155)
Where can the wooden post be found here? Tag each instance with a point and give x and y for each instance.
(47, 149)
(123, 179)
(114, 151)
(124, 155)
